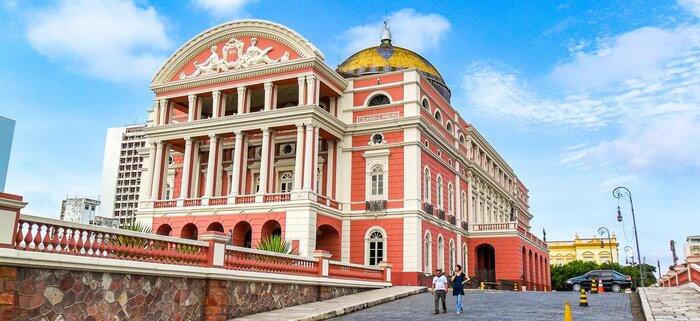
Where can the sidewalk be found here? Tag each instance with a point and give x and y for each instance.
(338, 306)
(673, 303)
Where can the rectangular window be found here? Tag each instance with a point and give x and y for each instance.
(377, 184)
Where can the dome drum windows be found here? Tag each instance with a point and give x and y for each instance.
(378, 100)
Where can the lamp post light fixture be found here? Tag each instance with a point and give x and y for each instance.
(630, 254)
(600, 231)
(618, 193)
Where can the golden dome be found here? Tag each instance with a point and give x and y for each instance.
(388, 58)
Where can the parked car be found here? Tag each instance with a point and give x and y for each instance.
(612, 281)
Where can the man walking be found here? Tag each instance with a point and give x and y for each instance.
(439, 290)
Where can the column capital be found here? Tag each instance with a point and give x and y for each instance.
(188, 139)
(268, 85)
(191, 96)
(266, 131)
(310, 78)
(159, 143)
(300, 126)
(309, 125)
(241, 90)
(216, 92)
(239, 133)
(163, 102)
(213, 136)
(301, 79)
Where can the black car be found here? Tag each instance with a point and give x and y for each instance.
(612, 281)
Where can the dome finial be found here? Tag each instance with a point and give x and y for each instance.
(386, 34)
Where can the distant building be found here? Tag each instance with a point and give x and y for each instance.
(7, 129)
(121, 173)
(692, 246)
(79, 210)
(595, 249)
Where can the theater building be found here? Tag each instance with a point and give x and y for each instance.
(253, 134)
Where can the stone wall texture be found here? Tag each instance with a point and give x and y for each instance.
(57, 295)
(32, 294)
(246, 298)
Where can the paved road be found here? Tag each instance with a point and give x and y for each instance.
(522, 306)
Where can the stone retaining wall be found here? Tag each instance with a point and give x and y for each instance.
(62, 295)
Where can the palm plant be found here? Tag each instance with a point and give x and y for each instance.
(275, 243)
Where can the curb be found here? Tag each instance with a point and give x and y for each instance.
(645, 305)
(360, 306)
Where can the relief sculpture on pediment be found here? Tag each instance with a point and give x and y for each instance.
(234, 56)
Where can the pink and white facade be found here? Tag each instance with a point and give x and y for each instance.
(253, 134)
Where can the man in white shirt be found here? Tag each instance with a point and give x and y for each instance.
(439, 290)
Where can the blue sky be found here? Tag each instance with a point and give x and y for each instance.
(578, 96)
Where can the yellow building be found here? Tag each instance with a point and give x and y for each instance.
(595, 249)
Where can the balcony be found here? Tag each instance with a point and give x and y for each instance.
(452, 219)
(441, 214)
(465, 226)
(376, 206)
(428, 208)
(494, 226)
(238, 200)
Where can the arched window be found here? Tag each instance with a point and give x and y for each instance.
(428, 252)
(377, 177)
(426, 185)
(425, 103)
(379, 99)
(463, 208)
(286, 182)
(375, 246)
(464, 258)
(452, 255)
(461, 138)
(450, 199)
(449, 127)
(438, 196)
(441, 253)
(438, 116)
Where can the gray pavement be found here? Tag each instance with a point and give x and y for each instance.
(674, 303)
(497, 305)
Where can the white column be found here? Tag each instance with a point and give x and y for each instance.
(186, 167)
(310, 90)
(274, 96)
(163, 111)
(218, 180)
(241, 99)
(458, 198)
(302, 90)
(314, 170)
(268, 96)
(329, 168)
(209, 188)
(236, 175)
(216, 104)
(148, 181)
(157, 177)
(299, 158)
(224, 99)
(264, 160)
(333, 105)
(196, 170)
(156, 112)
(337, 169)
(308, 150)
(191, 106)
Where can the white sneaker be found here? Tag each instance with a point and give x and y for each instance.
(458, 313)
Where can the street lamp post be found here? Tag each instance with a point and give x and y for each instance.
(605, 229)
(630, 254)
(618, 193)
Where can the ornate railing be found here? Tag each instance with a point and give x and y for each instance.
(277, 197)
(441, 214)
(239, 258)
(192, 202)
(245, 199)
(354, 271)
(164, 204)
(218, 201)
(452, 219)
(376, 206)
(494, 226)
(465, 225)
(428, 208)
(51, 236)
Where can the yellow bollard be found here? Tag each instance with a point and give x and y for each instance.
(567, 312)
(583, 301)
(515, 286)
(482, 285)
(545, 288)
(594, 288)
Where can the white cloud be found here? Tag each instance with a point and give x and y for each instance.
(221, 8)
(691, 5)
(632, 54)
(409, 29)
(108, 39)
